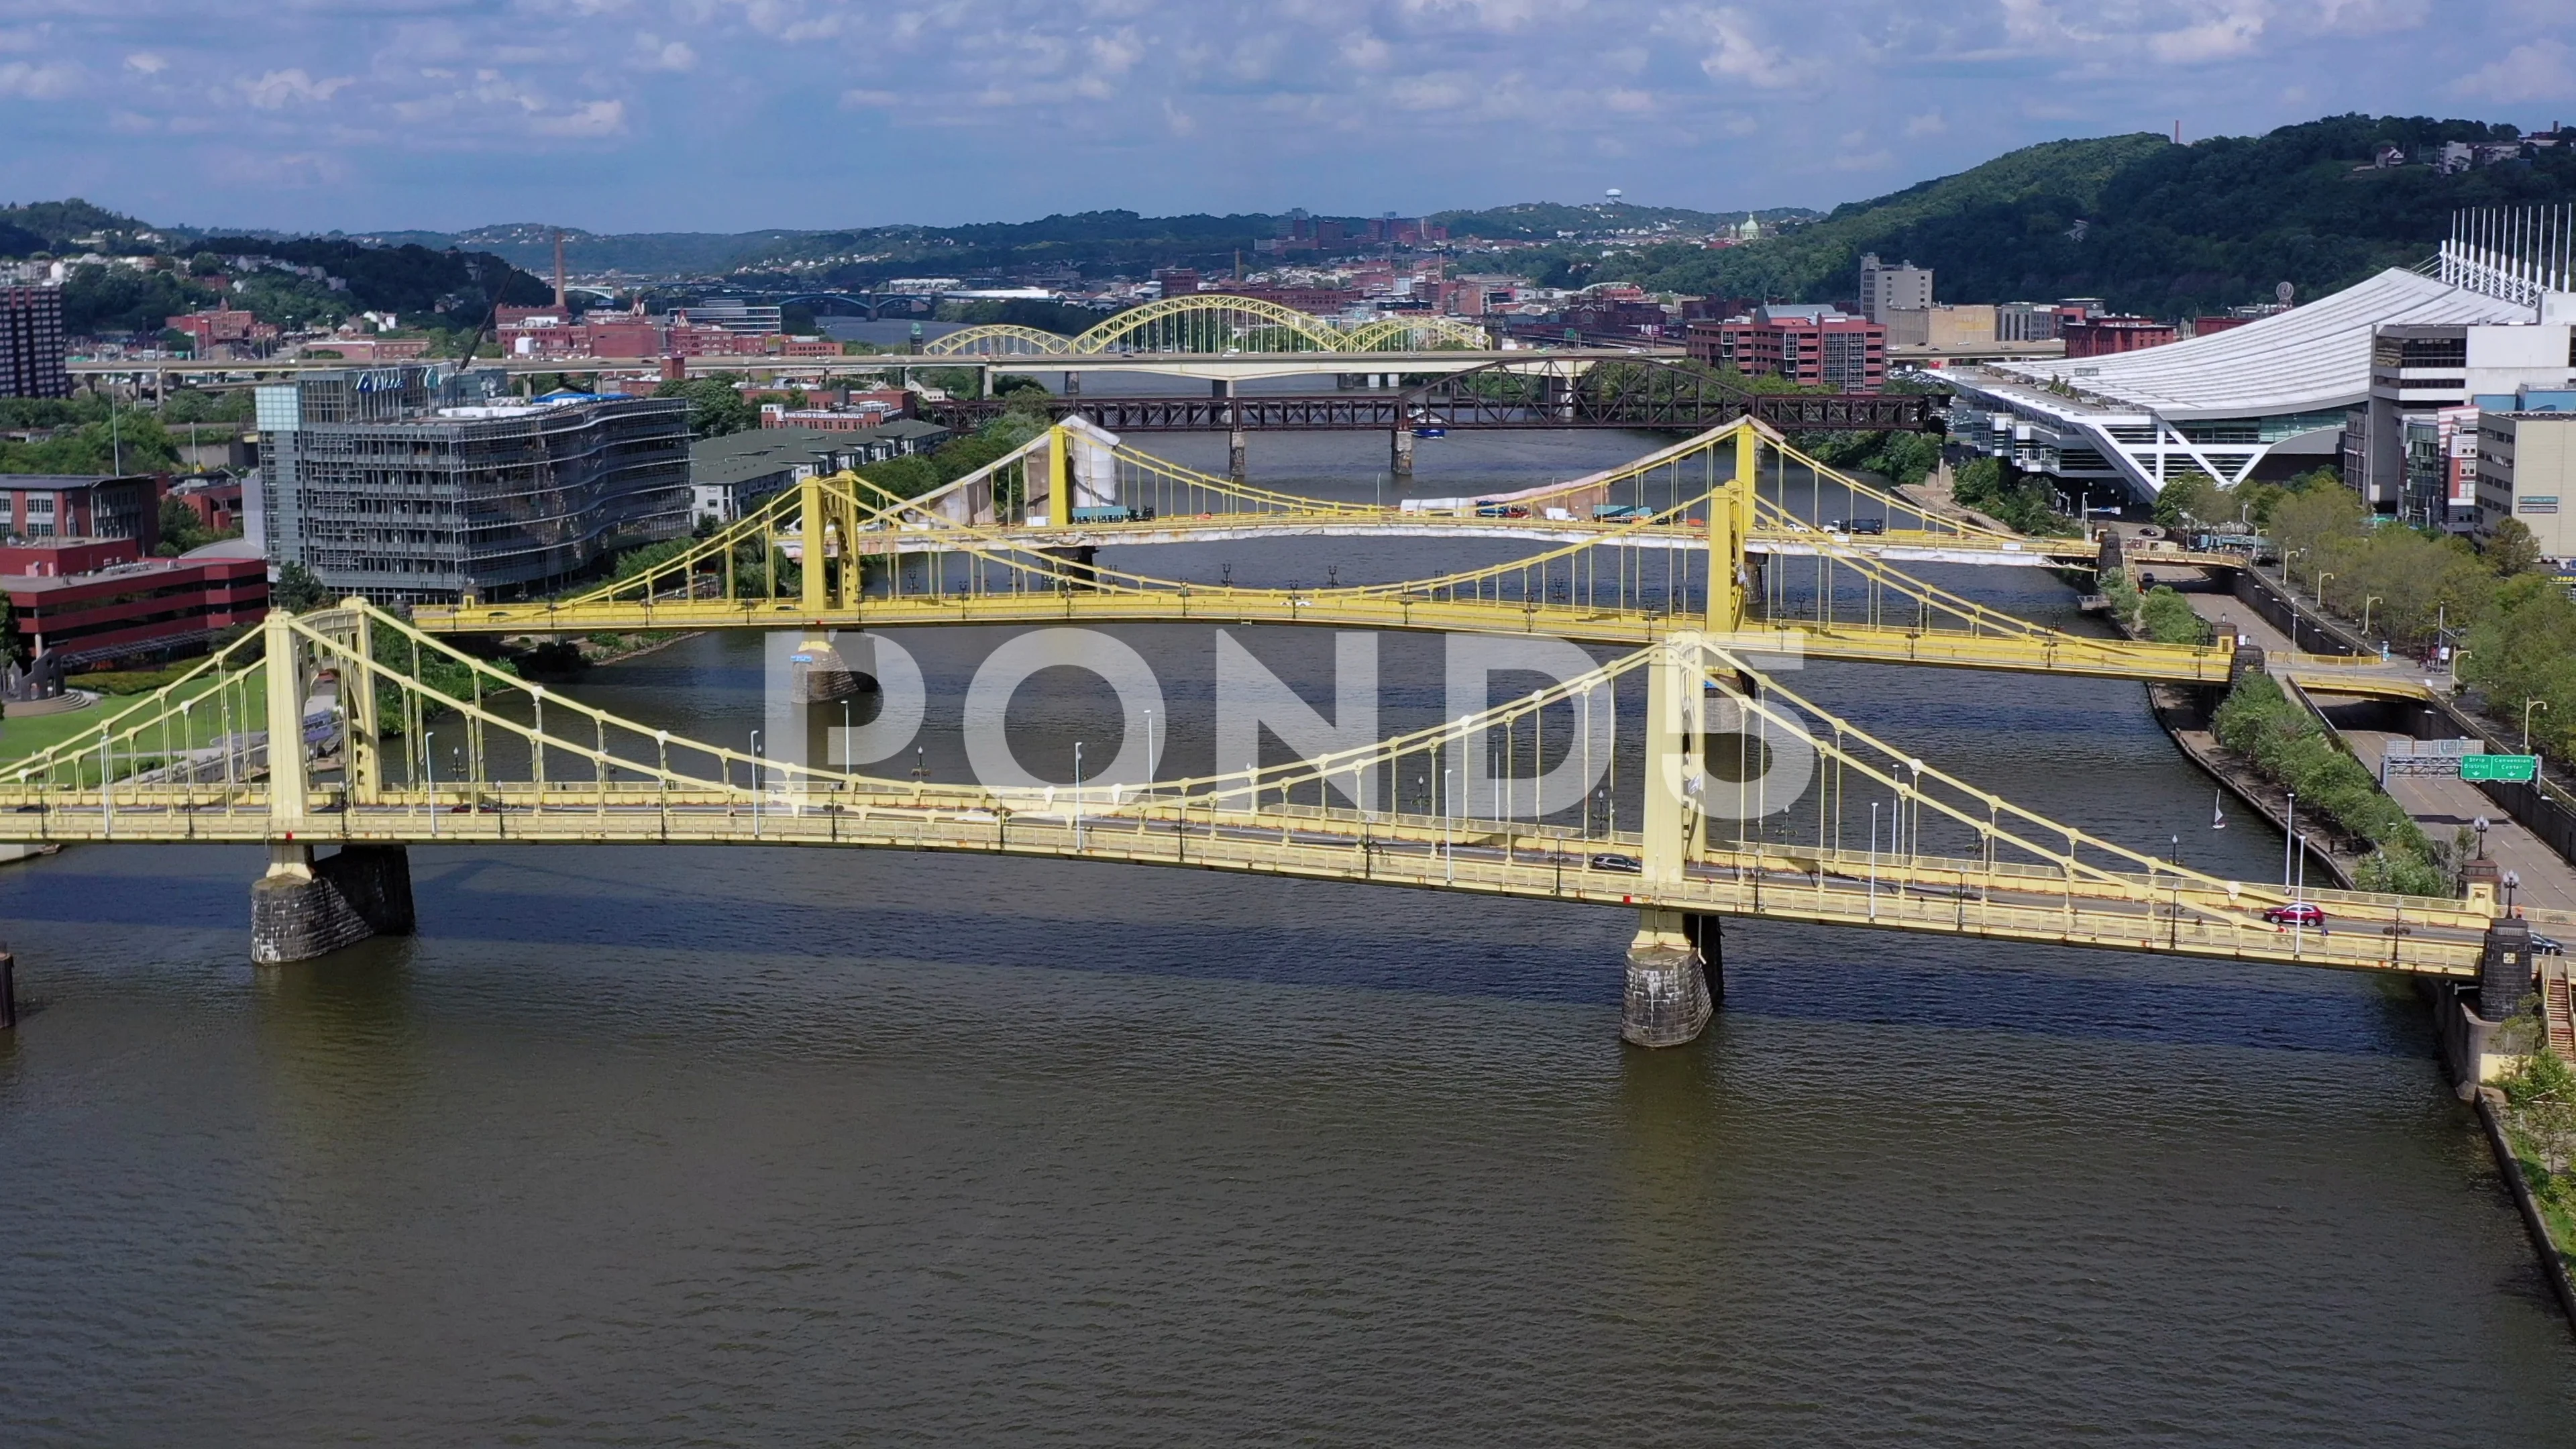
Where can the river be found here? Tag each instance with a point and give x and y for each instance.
(705, 1146)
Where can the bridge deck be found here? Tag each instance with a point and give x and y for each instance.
(1947, 897)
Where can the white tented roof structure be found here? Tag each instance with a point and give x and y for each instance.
(2277, 388)
(2298, 361)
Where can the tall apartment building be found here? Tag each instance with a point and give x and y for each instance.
(1885, 289)
(387, 486)
(1810, 344)
(2418, 371)
(31, 343)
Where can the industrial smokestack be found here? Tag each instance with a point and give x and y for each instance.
(559, 285)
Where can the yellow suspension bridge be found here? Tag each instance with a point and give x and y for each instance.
(1670, 542)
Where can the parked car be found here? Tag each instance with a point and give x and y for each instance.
(1623, 864)
(1869, 525)
(2296, 913)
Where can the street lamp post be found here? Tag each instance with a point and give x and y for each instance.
(2511, 880)
(2528, 706)
(429, 761)
(2480, 826)
(1448, 826)
(2289, 841)
(1077, 794)
(1873, 860)
(2366, 602)
(755, 782)
(2321, 589)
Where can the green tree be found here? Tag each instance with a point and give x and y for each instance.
(2511, 549)
(716, 406)
(2309, 526)
(2191, 497)
(181, 529)
(298, 590)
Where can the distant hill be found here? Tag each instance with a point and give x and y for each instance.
(42, 226)
(1544, 220)
(2144, 224)
(644, 254)
(1093, 242)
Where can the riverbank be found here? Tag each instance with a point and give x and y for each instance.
(2186, 713)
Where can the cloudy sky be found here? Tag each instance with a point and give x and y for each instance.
(736, 114)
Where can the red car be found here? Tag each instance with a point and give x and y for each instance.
(2296, 913)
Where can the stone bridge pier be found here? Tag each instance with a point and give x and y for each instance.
(1676, 977)
(306, 907)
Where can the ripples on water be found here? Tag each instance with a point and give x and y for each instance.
(758, 1146)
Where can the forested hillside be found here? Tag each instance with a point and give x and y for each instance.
(2138, 221)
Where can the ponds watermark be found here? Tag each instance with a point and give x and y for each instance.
(1752, 761)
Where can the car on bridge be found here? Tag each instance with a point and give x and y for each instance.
(1621, 864)
(2296, 913)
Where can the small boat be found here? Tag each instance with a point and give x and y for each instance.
(1428, 431)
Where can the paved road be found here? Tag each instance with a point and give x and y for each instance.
(2442, 805)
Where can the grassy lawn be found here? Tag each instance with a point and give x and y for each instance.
(22, 736)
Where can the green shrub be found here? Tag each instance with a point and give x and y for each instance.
(2288, 745)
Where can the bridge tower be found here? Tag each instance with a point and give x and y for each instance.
(1667, 1000)
(304, 907)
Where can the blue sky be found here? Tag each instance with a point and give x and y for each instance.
(629, 115)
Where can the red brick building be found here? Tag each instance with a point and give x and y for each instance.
(221, 324)
(123, 608)
(2105, 336)
(43, 506)
(1816, 345)
(1322, 301)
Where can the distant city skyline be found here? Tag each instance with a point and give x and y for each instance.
(737, 115)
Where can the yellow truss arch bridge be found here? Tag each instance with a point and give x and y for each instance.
(1214, 322)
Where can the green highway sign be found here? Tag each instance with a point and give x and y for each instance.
(2522, 768)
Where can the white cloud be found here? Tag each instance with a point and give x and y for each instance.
(1502, 15)
(146, 62)
(1734, 52)
(49, 81)
(655, 53)
(2232, 32)
(595, 118)
(1628, 102)
(1930, 123)
(857, 100)
(279, 89)
(2536, 70)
